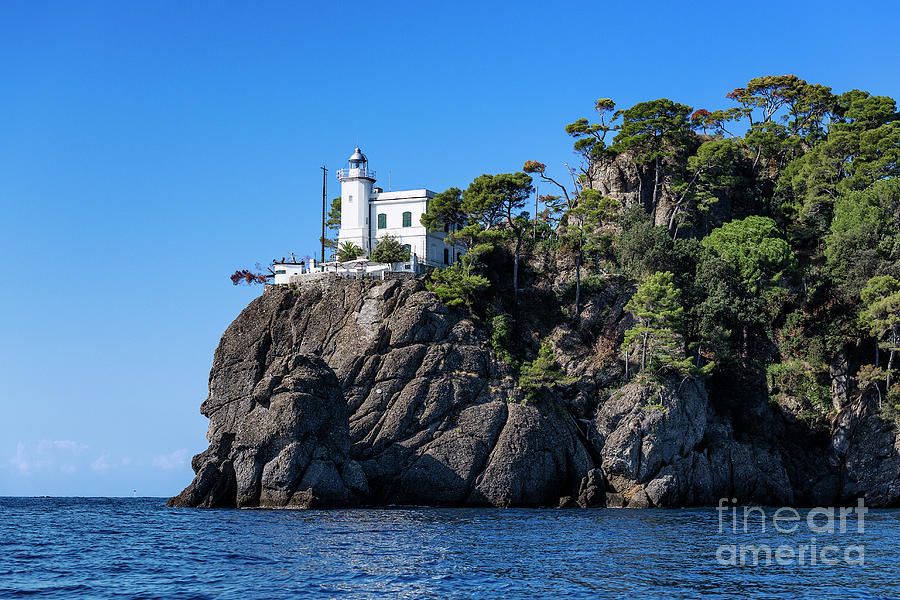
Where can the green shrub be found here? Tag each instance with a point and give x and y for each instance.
(454, 287)
(803, 382)
(501, 338)
(349, 251)
(890, 408)
(542, 374)
(390, 250)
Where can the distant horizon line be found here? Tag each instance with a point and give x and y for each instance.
(52, 496)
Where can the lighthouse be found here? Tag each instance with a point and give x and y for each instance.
(357, 182)
(368, 214)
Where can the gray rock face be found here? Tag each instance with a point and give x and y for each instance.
(278, 427)
(374, 394)
(664, 447)
(365, 393)
(619, 178)
(867, 451)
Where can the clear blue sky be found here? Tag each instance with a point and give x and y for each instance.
(149, 149)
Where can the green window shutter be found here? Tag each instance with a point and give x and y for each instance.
(407, 219)
(382, 221)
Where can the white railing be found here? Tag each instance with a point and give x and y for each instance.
(363, 172)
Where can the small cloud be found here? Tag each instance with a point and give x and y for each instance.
(70, 446)
(50, 446)
(172, 461)
(101, 463)
(48, 455)
(20, 461)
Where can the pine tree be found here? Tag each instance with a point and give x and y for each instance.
(880, 316)
(658, 335)
(333, 224)
(543, 373)
(390, 250)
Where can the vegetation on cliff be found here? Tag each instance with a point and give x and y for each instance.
(775, 252)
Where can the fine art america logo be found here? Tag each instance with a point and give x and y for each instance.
(754, 522)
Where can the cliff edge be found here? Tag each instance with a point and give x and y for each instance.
(375, 393)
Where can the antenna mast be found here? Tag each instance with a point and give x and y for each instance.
(324, 179)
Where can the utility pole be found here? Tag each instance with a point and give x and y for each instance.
(324, 173)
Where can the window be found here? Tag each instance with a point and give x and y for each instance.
(351, 197)
(407, 219)
(382, 221)
(446, 256)
(280, 272)
(408, 249)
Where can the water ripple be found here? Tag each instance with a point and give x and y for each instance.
(76, 548)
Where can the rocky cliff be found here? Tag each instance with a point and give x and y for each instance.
(374, 393)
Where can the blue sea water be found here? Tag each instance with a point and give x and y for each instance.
(137, 548)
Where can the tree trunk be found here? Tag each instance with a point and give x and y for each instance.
(644, 352)
(890, 364)
(655, 192)
(681, 201)
(672, 227)
(640, 185)
(578, 279)
(758, 154)
(516, 272)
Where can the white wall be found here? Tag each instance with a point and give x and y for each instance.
(427, 246)
(354, 212)
(393, 205)
(289, 270)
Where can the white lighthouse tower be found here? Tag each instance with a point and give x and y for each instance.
(357, 181)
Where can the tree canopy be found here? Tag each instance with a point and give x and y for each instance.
(445, 209)
(658, 336)
(880, 315)
(389, 250)
(349, 251)
(760, 238)
(492, 200)
(755, 248)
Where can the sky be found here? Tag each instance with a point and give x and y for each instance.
(149, 149)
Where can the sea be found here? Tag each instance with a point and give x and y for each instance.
(136, 548)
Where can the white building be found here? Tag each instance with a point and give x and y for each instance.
(283, 270)
(368, 213)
